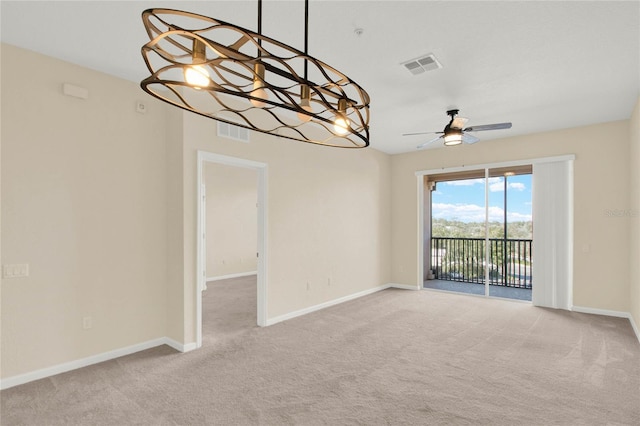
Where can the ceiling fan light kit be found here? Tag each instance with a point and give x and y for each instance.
(241, 77)
(453, 137)
(454, 134)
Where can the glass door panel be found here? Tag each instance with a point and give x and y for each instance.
(510, 232)
(457, 233)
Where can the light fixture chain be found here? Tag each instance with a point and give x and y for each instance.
(306, 36)
(260, 28)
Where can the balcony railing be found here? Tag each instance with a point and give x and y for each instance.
(463, 260)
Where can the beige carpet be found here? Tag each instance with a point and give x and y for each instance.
(395, 357)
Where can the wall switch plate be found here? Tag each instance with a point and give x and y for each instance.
(20, 270)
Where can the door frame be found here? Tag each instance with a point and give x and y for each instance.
(262, 252)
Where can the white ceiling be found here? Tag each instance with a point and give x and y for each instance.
(541, 65)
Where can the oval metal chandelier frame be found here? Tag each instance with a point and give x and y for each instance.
(238, 63)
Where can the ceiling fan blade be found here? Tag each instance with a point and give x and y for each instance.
(466, 138)
(419, 133)
(482, 127)
(459, 122)
(422, 145)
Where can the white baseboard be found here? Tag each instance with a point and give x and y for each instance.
(324, 305)
(334, 302)
(609, 313)
(596, 311)
(20, 379)
(634, 325)
(180, 347)
(226, 277)
(404, 286)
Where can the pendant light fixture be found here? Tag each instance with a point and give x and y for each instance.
(241, 77)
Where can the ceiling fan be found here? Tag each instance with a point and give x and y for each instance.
(454, 134)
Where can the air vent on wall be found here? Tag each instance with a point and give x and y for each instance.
(422, 64)
(230, 131)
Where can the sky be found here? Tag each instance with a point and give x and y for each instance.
(464, 200)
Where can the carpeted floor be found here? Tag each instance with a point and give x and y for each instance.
(396, 357)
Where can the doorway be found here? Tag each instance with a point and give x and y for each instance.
(230, 221)
(224, 263)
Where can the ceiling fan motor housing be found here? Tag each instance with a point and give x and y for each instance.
(448, 130)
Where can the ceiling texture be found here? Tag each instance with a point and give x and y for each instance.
(541, 65)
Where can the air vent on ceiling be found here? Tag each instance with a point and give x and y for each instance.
(422, 64)
(230, 131)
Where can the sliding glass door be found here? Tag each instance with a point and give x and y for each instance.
(491, 246)
(479, 233)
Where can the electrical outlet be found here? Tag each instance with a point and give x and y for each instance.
(328, 282)
(87, 323)
(308, 286)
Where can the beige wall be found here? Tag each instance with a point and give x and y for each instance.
(1, 342)
(328, 216)
(175, 227)
(601, 173)
(231, 219)
(85, 205)
(634, 216)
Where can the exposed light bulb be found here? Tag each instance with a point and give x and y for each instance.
(341, 126)
(304, 117)
(197, 76)
(258, 87)
(305, 97)
(258, 92)
(341, 123)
